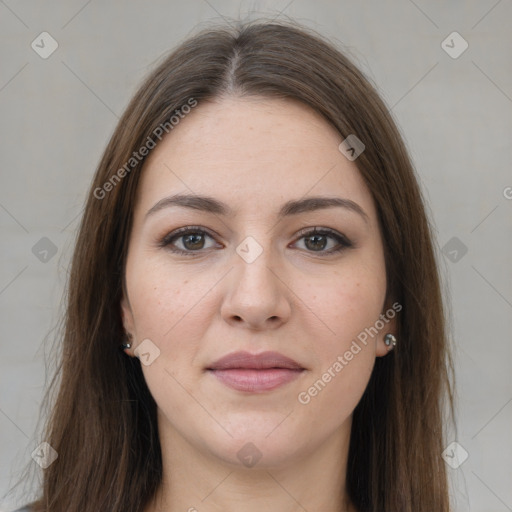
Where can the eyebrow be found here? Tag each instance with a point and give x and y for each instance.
(294, 207)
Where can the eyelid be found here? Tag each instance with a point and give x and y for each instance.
(325, 231)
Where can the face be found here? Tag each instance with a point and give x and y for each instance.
(250, 276)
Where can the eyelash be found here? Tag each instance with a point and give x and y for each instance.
(344, 242)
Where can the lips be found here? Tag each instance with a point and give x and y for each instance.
(255, 373)
(249, 361)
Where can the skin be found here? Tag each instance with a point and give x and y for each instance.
(254, 154)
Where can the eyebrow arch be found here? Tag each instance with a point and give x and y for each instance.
(294, 207)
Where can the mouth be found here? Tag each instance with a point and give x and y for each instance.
(255, 373)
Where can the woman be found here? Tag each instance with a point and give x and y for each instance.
(254, 316)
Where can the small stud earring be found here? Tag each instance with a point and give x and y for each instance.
(389, 340)
(127, 345)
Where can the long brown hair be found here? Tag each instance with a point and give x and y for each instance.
(103, 422)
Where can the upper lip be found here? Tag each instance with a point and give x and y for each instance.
(246, 360)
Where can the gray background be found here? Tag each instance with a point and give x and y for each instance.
(455, 114)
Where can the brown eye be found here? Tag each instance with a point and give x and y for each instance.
(317, 240)
(192, 240)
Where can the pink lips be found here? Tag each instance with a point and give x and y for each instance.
(255, 373)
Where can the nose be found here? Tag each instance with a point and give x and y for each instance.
(256, 294)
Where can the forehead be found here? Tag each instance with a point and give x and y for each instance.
(252, 153)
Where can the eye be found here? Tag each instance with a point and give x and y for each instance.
(192, 239)
(317, 240)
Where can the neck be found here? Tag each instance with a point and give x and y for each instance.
(195, 481)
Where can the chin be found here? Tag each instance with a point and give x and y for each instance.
(258, 453)
(259, 442)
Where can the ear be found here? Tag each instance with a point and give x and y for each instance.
(389, 318)
(128, 323)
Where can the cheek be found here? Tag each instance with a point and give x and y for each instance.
(162, 299)
(354, 308)
(162, 302)
(349, 302)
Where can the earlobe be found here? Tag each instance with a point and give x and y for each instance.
(390, 341)
(128, 325)
(387, 339)
(128, 344)
(386, 343)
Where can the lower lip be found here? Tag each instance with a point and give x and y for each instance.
(256, 380)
